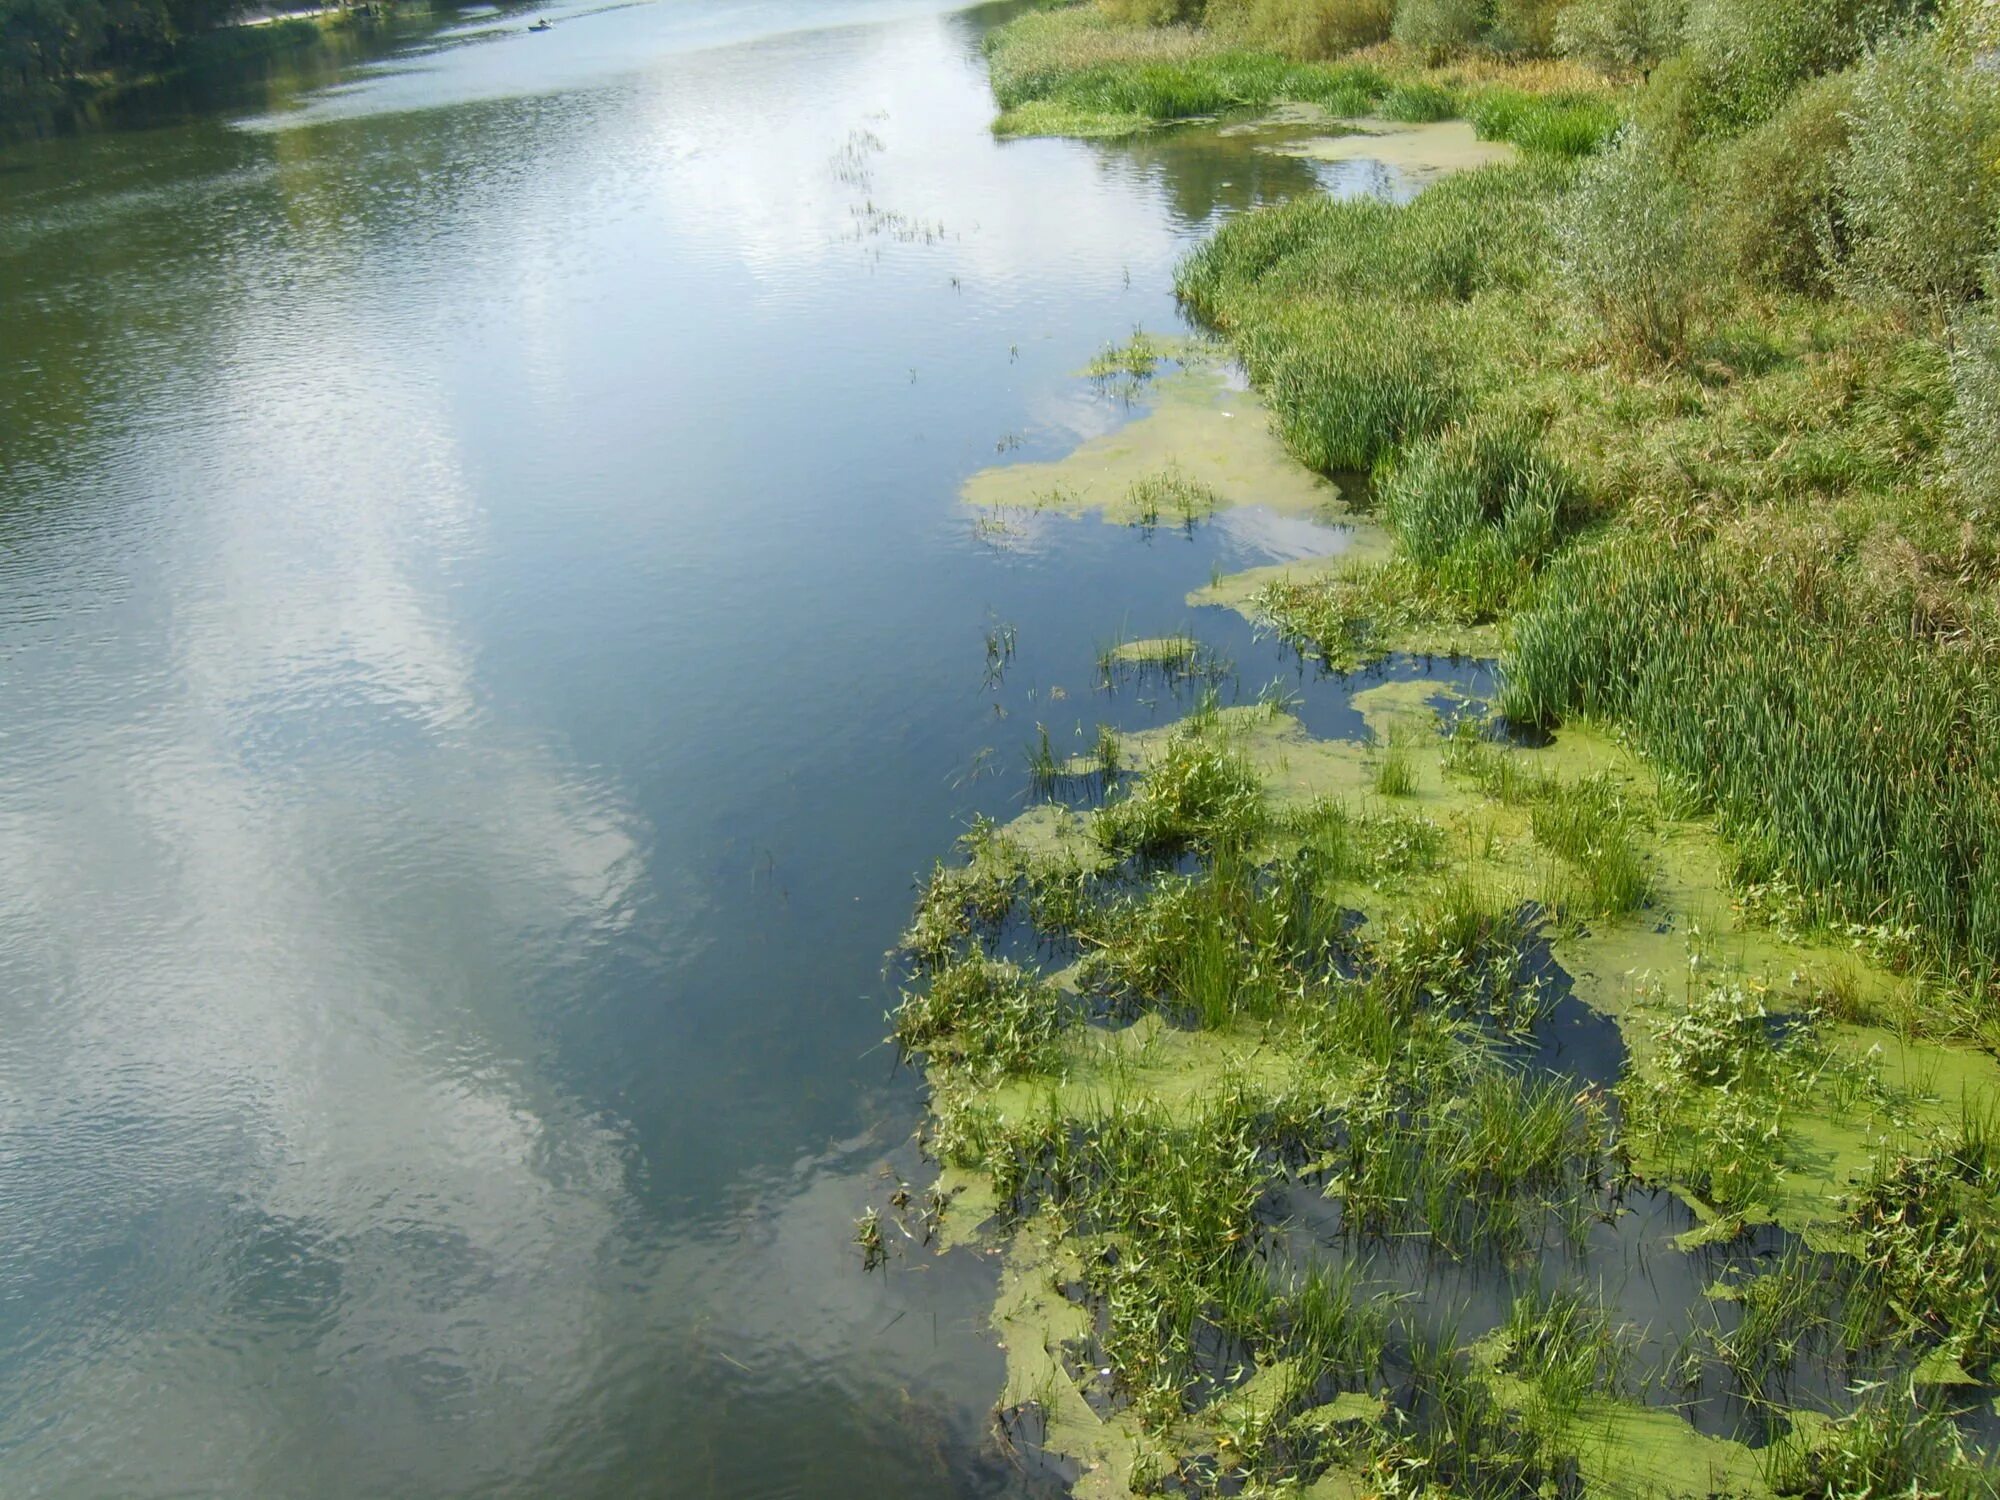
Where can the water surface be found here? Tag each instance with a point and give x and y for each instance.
(489, 636)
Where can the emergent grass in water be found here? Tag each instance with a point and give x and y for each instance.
(1273, 1043)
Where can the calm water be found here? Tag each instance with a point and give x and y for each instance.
(487, 636)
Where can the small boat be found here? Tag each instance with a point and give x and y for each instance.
(543, 26)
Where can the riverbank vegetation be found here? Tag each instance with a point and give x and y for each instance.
(60, 53)
(1317, 1176)
(1330, 1095)
(1727, 363)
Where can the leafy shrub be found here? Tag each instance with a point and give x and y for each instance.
(1751, 54)
(1524, 26)
(1626, 248)
(1152, 12)
(1921, 177)
(1621, 36)
(1779, 205)
(1681, 108)
(1438, 28)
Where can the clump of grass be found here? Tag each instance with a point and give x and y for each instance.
(1418, 101)
(1138, 358)
(1178, 1197)
(987, 1016)
(1395, 776)
(1893, 1444)
(1464, 1441)
(1172, 492)
(1480, 507)
(1587, 824)
(1196, 791)
(1495, 770)
(1564, 1343)
(1346, 617)
(1349, 384)
(1561, 125)
(1477, 231)
(1396, 771)
(1460, 950)
(1474, 1165)
(1783, 1312)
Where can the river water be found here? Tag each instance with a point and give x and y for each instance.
(488, 636)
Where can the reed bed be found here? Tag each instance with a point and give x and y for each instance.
(1860, 764)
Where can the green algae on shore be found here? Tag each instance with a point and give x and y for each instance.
(1102, 1296)
(1200, 427)
(1420, 152)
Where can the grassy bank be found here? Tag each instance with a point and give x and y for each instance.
(1081, 72)
(1695, 406)
(1733, 369)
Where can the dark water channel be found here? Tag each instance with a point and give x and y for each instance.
(487, 636)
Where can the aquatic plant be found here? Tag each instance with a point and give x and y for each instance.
(868, 1235)
(1138, 358)
(1173, 492)
(1196, 790)
(1587, 824)
(1894, 1444)
(985, 1015)
(1929, 1222)
(1107, 753)
(1045, 770)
